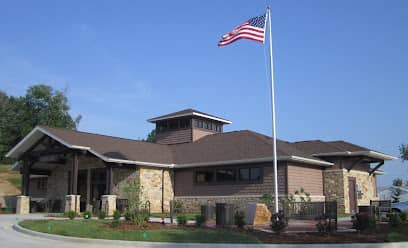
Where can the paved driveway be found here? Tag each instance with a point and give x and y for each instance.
(9, 238)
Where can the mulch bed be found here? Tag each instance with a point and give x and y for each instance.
(130, 226)
(318, 238)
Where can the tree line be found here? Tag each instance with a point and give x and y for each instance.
(41, 105)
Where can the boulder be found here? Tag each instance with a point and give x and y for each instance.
(257, 214)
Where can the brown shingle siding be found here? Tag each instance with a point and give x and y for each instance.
(306, 177)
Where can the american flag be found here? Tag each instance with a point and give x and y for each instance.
(253, 29)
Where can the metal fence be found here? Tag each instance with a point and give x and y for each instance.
(311, 210)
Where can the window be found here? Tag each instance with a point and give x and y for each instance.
(174, 124)
(250, 174)
(244, 174)
(184, 123)
(42, 183)
(195, 123)
(200, 124)
(225, 175)
(218, 128)
(255, 174)
(162, 127)
(206, 125)
(204, 176)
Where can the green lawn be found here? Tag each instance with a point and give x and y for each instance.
(93, 229)
(343, 215)
(398, 234)
(4, 168)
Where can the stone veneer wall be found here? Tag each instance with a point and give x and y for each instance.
(122, 177)
(192, 204)
(367, 185)
(151, 181)
(336, 187)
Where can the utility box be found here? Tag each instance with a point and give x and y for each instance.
(224, 214)
(208, 212)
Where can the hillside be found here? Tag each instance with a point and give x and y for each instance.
(10, 181)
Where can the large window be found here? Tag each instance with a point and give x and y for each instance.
(42, 183)
(229, 175)
(226, 175)
(206, 176)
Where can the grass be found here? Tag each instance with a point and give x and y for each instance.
(343, 215)
(167, 215)
(398, 234)
(93, 229)
(12, 177)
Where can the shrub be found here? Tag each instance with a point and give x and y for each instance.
(181, 219)
(87, 215)
(403, 216)
(102, 215)
(71, 215)
(395, 220)
(200, 219)
(128, 216)
(239, 219)
(363, 222)
(279, 222)
(116, 215)
(324, 224)
(177, 207)
(115, 223)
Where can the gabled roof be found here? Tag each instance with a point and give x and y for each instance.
(188, 112)
(108, 148)
(221, 148)
(318, 148)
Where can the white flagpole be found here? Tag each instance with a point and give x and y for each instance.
(275, 158)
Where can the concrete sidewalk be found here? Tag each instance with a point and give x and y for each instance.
(10, 238)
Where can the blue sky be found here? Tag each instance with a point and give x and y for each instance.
(341, 66)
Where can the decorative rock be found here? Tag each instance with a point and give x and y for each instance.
(257, 214)
(23, 204)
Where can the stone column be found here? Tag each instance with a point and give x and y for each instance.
(23, 204)
(108, 204)
(71, 201)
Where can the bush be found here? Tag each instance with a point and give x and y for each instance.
(239, 219)
(128, 216)
(363, 222)
(403, 216)
(87, 215)
(116, 215)
(395, 220)
(279, 222)
(177, 207)
(115, 223)
(71, 215)
(181, 219)
(102, 215)
(200, 219)
(324, 225)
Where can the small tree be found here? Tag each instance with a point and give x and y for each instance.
(396, 192)
(133, 193)
(151, 137)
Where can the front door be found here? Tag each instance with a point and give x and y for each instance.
(352, 194)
